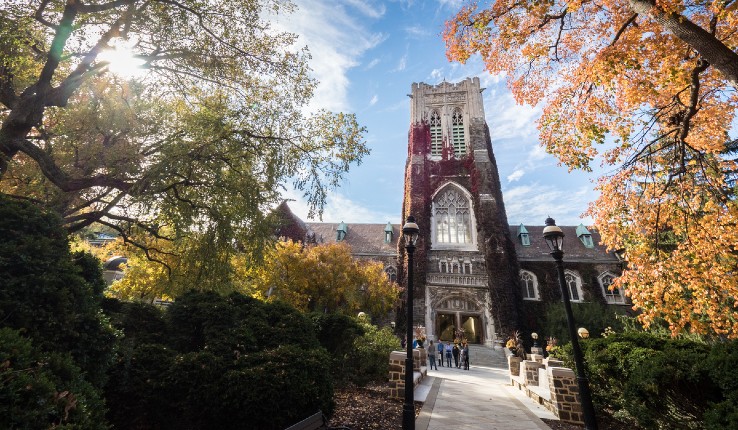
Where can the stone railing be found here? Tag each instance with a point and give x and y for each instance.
(549, 384)
(457, 279)
(397, 370)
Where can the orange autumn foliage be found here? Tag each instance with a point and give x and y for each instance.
(647, 89)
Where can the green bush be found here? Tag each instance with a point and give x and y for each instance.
(652, 381)
(337, 333)
(368, 360)
(224, 362)
(592, 315)
(44, 389)
(53, 297)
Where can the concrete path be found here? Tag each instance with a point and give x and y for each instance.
(480, 398)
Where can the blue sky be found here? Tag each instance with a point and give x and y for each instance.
(366, 55)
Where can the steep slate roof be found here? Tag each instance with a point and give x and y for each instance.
(574, 249)
(364, 239)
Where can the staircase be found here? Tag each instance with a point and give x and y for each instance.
(483, 356)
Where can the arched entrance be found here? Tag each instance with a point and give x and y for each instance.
(453, 308)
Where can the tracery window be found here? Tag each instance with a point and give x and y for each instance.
(436, 134)
(529, 284)
(457, 133)
(615, 296)
(391, 273)
(452, 218)
(574, 282)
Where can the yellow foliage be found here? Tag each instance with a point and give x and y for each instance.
(324, 278)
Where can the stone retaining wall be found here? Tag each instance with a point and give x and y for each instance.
(397, 370)
(549, 384)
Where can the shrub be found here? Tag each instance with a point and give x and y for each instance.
(596, 317)
(51, 296)
(337, 333)
(368, 360)
(225, 362)
(652, 381)
(44, 389)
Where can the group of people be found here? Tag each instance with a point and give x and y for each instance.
(448, 350)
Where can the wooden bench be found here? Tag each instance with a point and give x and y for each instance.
(314, 422)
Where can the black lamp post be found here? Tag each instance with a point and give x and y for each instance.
(410, 233)
(555, 240)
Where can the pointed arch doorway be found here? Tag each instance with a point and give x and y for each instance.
(453, 308)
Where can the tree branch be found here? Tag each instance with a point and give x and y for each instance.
(710, 48)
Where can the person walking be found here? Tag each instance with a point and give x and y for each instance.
(465, 353)
(448, 354)
(440, 351)
(432, 355)
(456, 352)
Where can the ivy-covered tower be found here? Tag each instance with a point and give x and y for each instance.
(466, 268)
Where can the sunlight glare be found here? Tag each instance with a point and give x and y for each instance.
(122, 62)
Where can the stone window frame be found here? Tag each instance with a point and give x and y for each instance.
(526, 288)
(471, 245)
(391, 273)
(614, 297)
(569, 276)
(458, 132)
(436, 133)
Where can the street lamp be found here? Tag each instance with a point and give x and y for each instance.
(555, 240)
(410, 234)
(534, 335)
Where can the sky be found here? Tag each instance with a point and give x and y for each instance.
(366, 55)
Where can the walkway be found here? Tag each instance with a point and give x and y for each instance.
(480, 398)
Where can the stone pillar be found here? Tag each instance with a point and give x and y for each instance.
(397, 374)
(565, 401)
(513, 363)
(530, 371)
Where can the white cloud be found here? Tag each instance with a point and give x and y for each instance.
(336, 40)
(516, 175)
(436, 75)
(526, 204)
(372, 63)
(402, 64)
(417, 32)
(339, 208)
(537, 153)
(374, 100)
(367, 9)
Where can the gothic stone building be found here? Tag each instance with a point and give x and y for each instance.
(473, 269)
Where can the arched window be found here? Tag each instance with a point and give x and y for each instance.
(391, 273)
(574, 282)
(452, 218)
(615, 296)
(435, 133)
(529, 284)
(457, 133)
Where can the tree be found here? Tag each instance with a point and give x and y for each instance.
(649, 89)
(324, 278)
(203, 141)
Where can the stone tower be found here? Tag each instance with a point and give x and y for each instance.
(466, 267)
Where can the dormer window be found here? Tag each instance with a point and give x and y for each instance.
(523, 235)
(341, 231)
(585, 236)
(388, 233)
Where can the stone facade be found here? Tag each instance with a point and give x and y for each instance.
(473, 270)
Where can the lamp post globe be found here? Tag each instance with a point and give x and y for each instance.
(410, 234)
(554, 237)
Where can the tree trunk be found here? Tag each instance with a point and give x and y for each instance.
(709, 47)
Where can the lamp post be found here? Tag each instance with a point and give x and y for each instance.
(410, 234)
(534, 335)
(555, 240)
